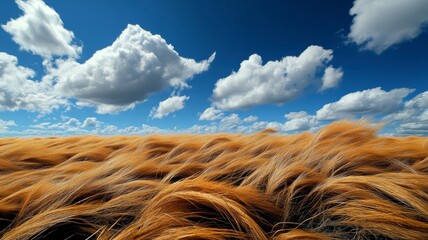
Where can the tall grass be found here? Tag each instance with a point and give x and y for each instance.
(343, 182)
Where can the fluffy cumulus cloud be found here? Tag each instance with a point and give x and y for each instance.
(117, 77)
(170, 105)
(4, 125)
(370, 102)
(274, 82)
(413, 118)
(41, 31)
(211, 114)
(331, 77)
(18, 91)
(300, 121)
(91, 122)
(380, 24)
(114, 79)
(230, 121)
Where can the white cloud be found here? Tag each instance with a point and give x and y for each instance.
(257, 126)
(413, 118)
(371, 101)
(418, 102)
(424, 115)
(41, 31)
(230, 121)
(117, 77)
(275, 82)
(233, 123)
(250, 119)
(106, 108)
(42, 125)
(413, 128)
(414, 108)
(295, 115)
(91, 125)
(275, 125)
(201, 129)
(4, 125)
(69, 124)
(108, 129)
(262, 125)
(331, 77)
(211, 114)
(64, 127)
(72, 126)
(18, 91)
(131, 130)
(170, 105)
(91, 122)
(380, 24)
(300, 121)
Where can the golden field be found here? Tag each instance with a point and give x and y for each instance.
(344, 182)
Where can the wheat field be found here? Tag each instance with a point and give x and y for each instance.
(343, 182)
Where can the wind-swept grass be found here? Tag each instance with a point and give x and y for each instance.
(343, 182)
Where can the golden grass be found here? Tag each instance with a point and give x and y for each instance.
(344, 182)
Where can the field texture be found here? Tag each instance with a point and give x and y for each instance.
(343, 182)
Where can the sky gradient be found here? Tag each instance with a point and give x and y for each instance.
(142, 67)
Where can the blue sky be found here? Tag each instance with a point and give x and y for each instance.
(141, 67)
